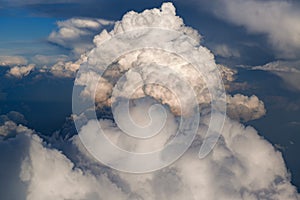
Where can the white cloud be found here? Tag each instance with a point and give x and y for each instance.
(127, 65)
(281, 66)
(61, 68)
(66, 69)
(288, 71)
(10, 129)
(225, 51)
(35, 171)
(12, 124)
(51, 175)
(12, 60)
(242, 165)
(243, 108)
(77, 33)
(164, 18)
(279, 20)
(20, 71)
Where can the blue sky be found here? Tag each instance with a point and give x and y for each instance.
(32, 23)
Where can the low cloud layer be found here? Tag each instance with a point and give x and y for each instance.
(241, 166)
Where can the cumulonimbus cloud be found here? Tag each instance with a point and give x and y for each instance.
(242, 165)
(153, 18)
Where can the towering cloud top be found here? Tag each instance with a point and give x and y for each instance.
(242, 165)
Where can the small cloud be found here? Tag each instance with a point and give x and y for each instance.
(20, 71)
(244, 108)
(225, 51)
(12, 60)
(64, 69)
(288, 71)
(12, 124)
(77, 33)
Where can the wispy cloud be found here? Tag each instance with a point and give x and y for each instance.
(278, 20)
(288, 71)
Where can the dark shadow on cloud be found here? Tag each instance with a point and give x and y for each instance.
(12, 153)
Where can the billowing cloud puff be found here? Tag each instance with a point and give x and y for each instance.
(267, 17)
(20, 71)
(128, 66)
(51, 175)
(243, 108)
(105, 88)
(77, 33)
(31, 169)
(12, 124)
(66, 69)
(241, 166)
(228, 75)
(10, 128)
(12, 60)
